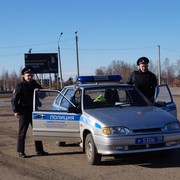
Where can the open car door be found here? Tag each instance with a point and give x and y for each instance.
(164, 99)
(50, 121)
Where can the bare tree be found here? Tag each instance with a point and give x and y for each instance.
(5, 80)
(100, 71)
(152, 68)
(9, 81)
(178, 69)
(116, 67)
(14, 79)
(168, 72)
(68, 82)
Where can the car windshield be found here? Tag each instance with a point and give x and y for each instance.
(112, 97)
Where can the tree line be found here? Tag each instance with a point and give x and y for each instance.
(170, 74)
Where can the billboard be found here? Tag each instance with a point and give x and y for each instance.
(42, 62)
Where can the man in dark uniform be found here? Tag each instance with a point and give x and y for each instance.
(143, 79)
(22, 105)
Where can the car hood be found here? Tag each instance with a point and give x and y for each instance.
(131, 117)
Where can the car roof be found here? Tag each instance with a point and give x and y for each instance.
(84, 82)
(101, 85)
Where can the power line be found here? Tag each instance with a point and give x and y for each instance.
(167, 49)
(29, 45)
(118, 49)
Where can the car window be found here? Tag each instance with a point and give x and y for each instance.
(76, 98)
(45, 103)
(59, 97)
(136, 98)
(163, 95)
(113, 96)
(68, 95)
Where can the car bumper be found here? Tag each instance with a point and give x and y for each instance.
(126, 144)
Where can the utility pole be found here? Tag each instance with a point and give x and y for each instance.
(159, 66)
(77, 57)
(59, 57)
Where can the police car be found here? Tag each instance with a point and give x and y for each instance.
(106, 117)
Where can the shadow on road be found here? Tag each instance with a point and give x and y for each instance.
(148, 160)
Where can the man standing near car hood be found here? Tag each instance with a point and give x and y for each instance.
(144, 79)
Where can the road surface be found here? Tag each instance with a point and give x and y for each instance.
(69, 162)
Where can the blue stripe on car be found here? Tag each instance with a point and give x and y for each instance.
(62, 117)
(97, 125)
(87, 121)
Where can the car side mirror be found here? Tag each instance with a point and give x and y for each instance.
(73, 109)
(160, 104)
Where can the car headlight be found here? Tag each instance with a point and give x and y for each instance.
(171, 126)
(115, 131)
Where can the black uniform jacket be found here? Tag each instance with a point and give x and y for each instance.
(145, 82)
(22, 98)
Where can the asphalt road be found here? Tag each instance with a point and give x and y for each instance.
(70, 163)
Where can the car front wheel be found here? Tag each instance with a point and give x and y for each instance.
(93, 157)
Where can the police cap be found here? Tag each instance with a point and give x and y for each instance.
(142, 60)
(27, 69)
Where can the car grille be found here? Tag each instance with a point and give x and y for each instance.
(154, 130)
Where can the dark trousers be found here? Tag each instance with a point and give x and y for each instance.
(24, 122)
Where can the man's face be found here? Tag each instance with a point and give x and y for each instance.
(28, 77)
(143, 67)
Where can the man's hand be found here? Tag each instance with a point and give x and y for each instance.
(17, 115)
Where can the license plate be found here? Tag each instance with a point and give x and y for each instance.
(150, 140)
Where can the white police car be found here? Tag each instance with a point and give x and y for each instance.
(107, 118)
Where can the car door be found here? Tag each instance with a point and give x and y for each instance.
(164, 99)
(50, 121)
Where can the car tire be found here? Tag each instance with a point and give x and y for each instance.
(92, 156)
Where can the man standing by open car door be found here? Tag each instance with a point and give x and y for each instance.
(22, 105)
(144, 79)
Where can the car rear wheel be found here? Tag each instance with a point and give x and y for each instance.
(92, 156)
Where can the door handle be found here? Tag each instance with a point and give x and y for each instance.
(39, 116)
